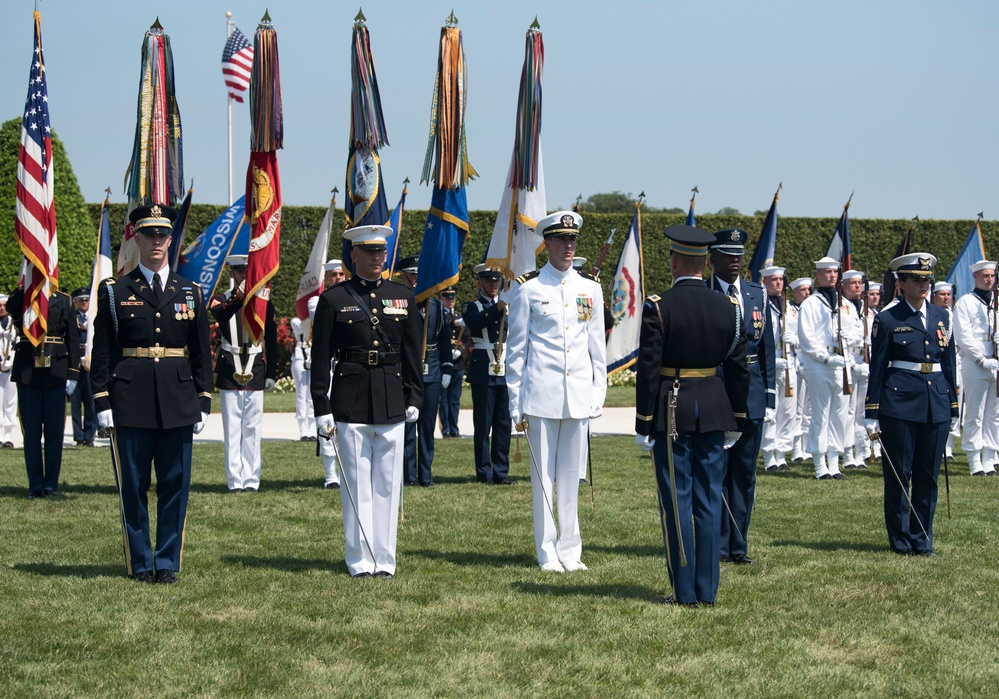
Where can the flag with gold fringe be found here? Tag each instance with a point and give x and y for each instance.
(446, 166)
(515, 244)
(365, 202)
(263, 185)
(155, 175)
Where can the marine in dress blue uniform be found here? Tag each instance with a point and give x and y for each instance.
(371, 328)
(487, 377)
(44, 376)
(687, 335)
(451, 396)
(912, 402)
(739, 484)
(152, 379)
(437, 365)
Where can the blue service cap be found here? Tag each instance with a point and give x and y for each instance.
(730, 241)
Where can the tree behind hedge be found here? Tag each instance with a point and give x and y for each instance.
(76, 233)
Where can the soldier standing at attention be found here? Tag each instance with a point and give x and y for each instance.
(688, 411)
(371, 328)
(242, 376)
(152, 378)
(485, 320)
(556, 379)
(451, 396)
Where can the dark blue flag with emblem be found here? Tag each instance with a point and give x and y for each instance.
(392, 241)
(179, 229)
(691, 221)
(763, 254)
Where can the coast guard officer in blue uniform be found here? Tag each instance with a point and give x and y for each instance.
(687, 334)
(152, 377)
(912, 403)
(739, 485)
(487, 377)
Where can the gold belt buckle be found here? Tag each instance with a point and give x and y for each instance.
(157, 352)
(372, 357)
(926, 368)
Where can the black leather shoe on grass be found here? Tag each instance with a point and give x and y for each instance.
(146, 576)
(166, 577)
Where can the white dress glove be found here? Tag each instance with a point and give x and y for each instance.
(445, 380)
(780, 363)
(105, 420)
(731, 438)
(644, 442)
(412, 414)
(269, 384)
(6, 366)
(456, 354)
(70, 387)
(836, 360)
(199, 426)
(872, 426)
(991, 365)
(770, 414)
(953, 423)
(861, 370)
(596, 411)
(325, 424)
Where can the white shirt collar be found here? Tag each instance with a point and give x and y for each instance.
(164, 274)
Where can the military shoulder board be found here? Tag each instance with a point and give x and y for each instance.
(526, 277)
(591, 276)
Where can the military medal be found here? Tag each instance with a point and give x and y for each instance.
(584, 307)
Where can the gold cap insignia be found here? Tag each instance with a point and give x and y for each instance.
(924, 263)
(155, 212)
(568, 221)
(735, 236)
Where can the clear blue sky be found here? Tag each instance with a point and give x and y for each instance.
(896, 99)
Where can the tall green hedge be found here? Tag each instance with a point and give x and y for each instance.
(799, 242)
(75, 230)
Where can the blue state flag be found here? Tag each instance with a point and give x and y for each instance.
(691, 221)
(202, 261)
(763, 254)
(393, 240)
(960, 274)
(365, 202)
(443, 242)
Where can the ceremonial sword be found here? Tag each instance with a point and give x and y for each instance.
(350, 496)
(884, 453)
(522, 427)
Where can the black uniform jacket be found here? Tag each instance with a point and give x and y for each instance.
(691, 327)
(64, 356)
(373, 383)
(487, 319)
(224, 307)
(146, 392)
(456, 332)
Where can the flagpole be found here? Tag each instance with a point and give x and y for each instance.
(228, 101)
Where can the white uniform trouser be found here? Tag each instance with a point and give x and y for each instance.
(981, 408)
(242, 423)
(326, 451)
(778, 435)
(560, 448)
(804, 406)
(303, 398)
(8, 407)
(827, 428)
(372, 471)
(858, 438)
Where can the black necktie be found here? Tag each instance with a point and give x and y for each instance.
(733, 292)
(157, 288)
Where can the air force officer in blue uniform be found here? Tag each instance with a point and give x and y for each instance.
(912, 402)
(152, 379)
(687, 334)
(739, 485)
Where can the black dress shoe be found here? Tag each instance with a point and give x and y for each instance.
(332, 486)
(166, 577)
(410, 483)
(742, 559)
(304, 438)
(7, 445)
(825, 477)
(504, 481)
(838, 477)
(146, 576)
(672, 600)
(427, 485)
(990, 473)
(583, 481)
(36, 494)
(703, 603)
(363, 574)
(724, 559)
(383, 574)
(49, 493)
(903, 552)
(235, 490)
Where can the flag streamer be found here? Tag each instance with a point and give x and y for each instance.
(446, 146)
(527, 143)
(266, 121)
(367, 125)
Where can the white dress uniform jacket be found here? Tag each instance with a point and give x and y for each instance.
(556, 333)
(972, 321)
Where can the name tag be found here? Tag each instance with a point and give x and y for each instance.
(131, 303)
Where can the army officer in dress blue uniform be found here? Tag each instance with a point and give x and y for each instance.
(437, 366)
(484, 318)
(739, 485)
(45, 375)
(912, 403)
(687, 334)
(371, 327)
(152, 379)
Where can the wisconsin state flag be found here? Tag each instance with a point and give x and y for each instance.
(263, 211)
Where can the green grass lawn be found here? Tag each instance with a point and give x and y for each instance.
(265, 606)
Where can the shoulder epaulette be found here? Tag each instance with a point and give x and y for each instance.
(109, 280)
(591, 276)
(654, 298)
(752, 284)
(527, 277)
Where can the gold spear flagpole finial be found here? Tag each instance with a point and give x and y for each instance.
(535, 26)
(451, 21)
(266, 19)
(360, 18)
(405, 186)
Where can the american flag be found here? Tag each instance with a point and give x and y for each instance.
(35, 221)
(237, 61)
